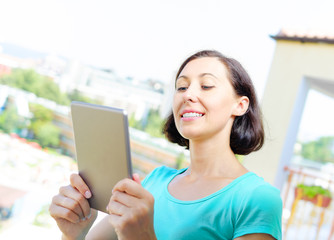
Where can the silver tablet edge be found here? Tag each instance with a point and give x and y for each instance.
(127, 143)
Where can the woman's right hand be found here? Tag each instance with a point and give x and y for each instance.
(71, 210)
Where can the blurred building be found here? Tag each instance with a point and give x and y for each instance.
(137, 96)
(147, 152)
(303, 60)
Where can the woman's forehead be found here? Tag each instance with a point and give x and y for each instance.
(211, 65)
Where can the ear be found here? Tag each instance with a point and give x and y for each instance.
(242, 104)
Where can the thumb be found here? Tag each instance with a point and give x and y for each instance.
(136, 178)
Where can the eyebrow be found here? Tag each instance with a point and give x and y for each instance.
(201, 75)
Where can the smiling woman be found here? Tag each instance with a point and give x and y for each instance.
(215, 115)
(247, 133)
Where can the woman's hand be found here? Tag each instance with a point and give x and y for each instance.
(131, 210)
(71, 209)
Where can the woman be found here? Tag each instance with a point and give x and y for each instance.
(216, 116)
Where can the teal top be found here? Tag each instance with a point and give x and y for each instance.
(247, 205)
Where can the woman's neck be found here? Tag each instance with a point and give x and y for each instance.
(213, 158)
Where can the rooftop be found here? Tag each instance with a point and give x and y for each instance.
(306, 34)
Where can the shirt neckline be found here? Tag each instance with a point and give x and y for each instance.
(227, 187)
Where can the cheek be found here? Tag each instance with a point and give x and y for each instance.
(176, 110)
(222, 107)
(175, 105)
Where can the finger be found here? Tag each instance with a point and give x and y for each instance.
(130, 187)
(115, 221)
(124, 198)
(72, 193)
(136, 178)
(58, 212)
(68, 203)
(117, 208)
(78, 183)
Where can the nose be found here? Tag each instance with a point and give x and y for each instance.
(190, 95)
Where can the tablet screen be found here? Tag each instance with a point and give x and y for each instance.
(102, 149)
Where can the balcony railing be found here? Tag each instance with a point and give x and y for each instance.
(308, 212)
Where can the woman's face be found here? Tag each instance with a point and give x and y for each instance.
(205, 103)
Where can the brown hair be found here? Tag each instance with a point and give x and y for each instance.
(247, 134)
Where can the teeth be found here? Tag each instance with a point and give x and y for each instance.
(192, 114)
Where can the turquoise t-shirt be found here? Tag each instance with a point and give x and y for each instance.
(247, 205)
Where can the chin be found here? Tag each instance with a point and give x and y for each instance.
(190, 135)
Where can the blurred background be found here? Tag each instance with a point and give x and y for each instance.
(125, 54)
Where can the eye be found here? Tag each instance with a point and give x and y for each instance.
(180, 89)
(207, 87)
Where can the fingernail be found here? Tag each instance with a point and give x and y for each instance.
(88, 194)
(88, 217)
(83, 219)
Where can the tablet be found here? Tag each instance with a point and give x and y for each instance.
(101, 136)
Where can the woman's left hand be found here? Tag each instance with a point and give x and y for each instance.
(131, 210)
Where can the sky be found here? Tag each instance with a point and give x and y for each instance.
(150, 38)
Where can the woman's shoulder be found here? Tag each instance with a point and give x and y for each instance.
(256, 190)
(253, 182)
(164, 171)
(258, 208)
(160, 174)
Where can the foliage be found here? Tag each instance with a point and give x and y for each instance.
(45, 132)
(10, 121)
(75, 95)
(321, 150)
(41, 125)
(312, 191)
(152, 124)
(29, 80)
(48, 134)
(135, 123)
(44, 87)
(49, 89)
(41, 113)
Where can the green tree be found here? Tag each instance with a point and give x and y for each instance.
(10, 121)
(41, 113)
(154, 124)
(75, 95)
(45, 132)
(48, 135)
(49, 89)
(321, 150)
(135, 123)
(26, 79)
(29, 80)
